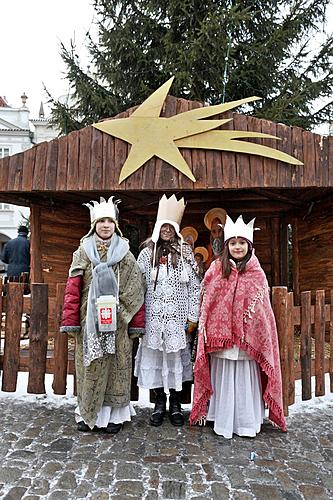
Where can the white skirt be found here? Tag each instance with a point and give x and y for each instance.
(160, 369)
(107, 414)
(236, 406)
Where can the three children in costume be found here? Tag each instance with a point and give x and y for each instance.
(237, 369)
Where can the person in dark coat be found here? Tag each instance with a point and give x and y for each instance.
(16, 254)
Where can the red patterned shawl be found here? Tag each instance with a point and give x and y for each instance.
(237, 311)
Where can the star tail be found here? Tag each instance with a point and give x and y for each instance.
(207, 111)
(224, 140)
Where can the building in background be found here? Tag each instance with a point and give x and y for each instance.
(19, 132)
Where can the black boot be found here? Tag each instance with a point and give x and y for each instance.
(175, 409)
(158, 414)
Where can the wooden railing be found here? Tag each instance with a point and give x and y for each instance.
(312, 326)
(45, 353)
(307, 328)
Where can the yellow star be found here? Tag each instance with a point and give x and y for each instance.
(151, 135)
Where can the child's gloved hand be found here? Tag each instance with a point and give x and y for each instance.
(191, 326)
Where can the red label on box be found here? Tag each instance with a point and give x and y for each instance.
(105, 316)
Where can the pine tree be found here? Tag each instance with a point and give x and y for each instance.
(218, 50)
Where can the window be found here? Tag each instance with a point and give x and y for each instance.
(4, 152)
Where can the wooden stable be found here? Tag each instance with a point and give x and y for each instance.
(290, 202)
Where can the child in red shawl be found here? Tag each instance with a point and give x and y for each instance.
(237, 370)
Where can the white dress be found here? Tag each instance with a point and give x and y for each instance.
(164, 357)
(236, 406)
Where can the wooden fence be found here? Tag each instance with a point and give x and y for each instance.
(44, 354)
(305, 337)
(305, 333)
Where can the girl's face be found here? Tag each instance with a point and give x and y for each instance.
(238, 248)
(105, 228)
(167, 232)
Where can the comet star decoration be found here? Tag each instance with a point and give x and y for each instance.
(151, 135)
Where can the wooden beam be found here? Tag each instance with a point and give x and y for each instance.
(36, 274)
(275, 229)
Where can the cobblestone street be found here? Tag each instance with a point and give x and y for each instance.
(43, 456)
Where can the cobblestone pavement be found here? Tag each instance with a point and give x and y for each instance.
(43, 456)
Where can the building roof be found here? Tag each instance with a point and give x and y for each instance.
(7, 126)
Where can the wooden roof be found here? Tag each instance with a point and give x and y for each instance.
(88, 161)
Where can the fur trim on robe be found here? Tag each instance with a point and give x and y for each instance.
(237, 311)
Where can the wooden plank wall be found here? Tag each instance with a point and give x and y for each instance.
(89, 159)
(315, 248)
(56, 232)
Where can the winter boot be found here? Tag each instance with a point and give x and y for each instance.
(175, 409)
(158, 414)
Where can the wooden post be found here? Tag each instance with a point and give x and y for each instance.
(331, 343)
(280, 308)
(295, 266)
(36, 274)
(320, 342)
(38, 338)
(11, 357)
(284, 252)
(305, 354)
(291, 347)
(60, 355)
(275, 228)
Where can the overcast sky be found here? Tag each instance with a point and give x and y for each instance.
(30, 36)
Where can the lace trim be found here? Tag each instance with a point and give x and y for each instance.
(251, 308)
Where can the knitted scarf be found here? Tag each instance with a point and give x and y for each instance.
(237, 311)
(98, 344)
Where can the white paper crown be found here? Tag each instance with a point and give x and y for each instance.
(170, 211)
(239, 229)
(103, 209)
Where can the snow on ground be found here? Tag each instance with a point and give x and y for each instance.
(68, 399)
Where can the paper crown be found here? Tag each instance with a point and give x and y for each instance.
(202, 251)
(103, 209)
(170, 211)
(238, 229)
(214, 213)
(189, 231)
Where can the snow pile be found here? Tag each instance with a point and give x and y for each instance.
(300, 406)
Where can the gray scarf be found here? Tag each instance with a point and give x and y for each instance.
(97, 344)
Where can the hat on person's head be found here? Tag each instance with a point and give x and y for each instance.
(202, 251)
(189, 231)
(170, 211)
(102, 210)
(214, 213)
(23, 229)
(239, 229)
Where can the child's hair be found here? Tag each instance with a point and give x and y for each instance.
(225, 260)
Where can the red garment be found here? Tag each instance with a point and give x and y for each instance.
(138, 320)
(72, 301)
(237, 311)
